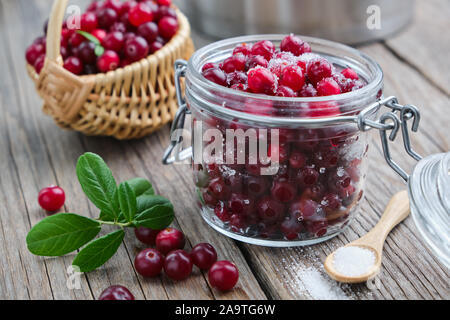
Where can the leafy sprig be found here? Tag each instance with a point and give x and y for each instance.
(131, 204)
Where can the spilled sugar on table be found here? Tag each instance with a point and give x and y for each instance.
(35, 153)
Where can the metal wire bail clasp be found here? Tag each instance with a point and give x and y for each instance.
(176, 137)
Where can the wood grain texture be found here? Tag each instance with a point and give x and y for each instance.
(34, 153)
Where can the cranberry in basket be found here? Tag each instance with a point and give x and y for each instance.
(276, 158)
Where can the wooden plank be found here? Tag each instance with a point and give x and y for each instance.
(425, 43)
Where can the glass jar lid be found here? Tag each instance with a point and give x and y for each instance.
(429, 192)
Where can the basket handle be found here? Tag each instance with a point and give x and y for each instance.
(53, 42)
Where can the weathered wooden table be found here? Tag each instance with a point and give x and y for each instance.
(35, 153)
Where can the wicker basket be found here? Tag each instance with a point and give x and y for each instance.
(127, 103)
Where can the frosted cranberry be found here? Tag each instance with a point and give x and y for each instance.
(88, 21)
(304, 209)
(136, 49)
(321, 109)
(222, 213)
(146, 235)
(168, 27)
(219, 189)
(33, 52)
(349, 73)
(170, 239)
(234, 63)
(209, 199)
(328, 87)
(209, 65)
(263, 48)
(257, 185)
(203, 255)
(352, 85)
(290, 228)
(140, 14)
(114, 41)
(318, 69)
(164, 2)
(74, 65)
(326, 158)
(100, 34)
(116, 5)
(216, 76)
(119, 27)
(149, 263)
(261, 80)
(331, 202)
(178, 265)
(283, 190)
(236, 77)
(254, 61)
(76, 39)
(284, 91)
(51, 198)
(108, 61)
(149, 31)
(223, 275)
(295, 45)
(86, 52)
(307, 176)
(240, 204)
(116, 293)
(239, 87)
(292, 77)
(106, 17)
(297, 159)
(308, 90)
(270, 210)
(39, 63)
(243, 48)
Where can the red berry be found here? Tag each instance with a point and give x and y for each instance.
(114, 41)
(222, 212)
(155, 46)
(297, 159)
(146, 235)
(263, 48)
(331, 202)
(88, 22)
(240, 204)
(295, 45)
(307, 176)
(74, 65)
(106, 17)
(261, 80)
(108, 61)
(136, 49)
(254, 61)
(327, 87)
(164, 2)
(149, 31)
(283, 190)
(290, 228)
(349, 73)
(308, 90)
(170, 239)
(99, 34)
(257, 185)
(140, 14)
(178, 265)
(209, 65)
(33, 52)
(204, 255)
(270, 210)
(303, 209)
(76, 39)
(218, 188)
(86, 52)
(168, 27)
(51, 198)
(215, 75)
(234, 63)
(149, 263)
(243, 48)
(39, 63)
(283, 91)
(116, 5)
(223, 275)
(165, 11)
(292, 77)
(318, 69)
(118, 26)
(237, 77)
(116, 293)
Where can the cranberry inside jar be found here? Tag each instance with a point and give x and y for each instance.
(276, 161)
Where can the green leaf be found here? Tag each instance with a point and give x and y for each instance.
(99, 50)
(141, 186)
(127, 201)
(98, 183)
(97, 252)
(145, 202)
(89, 36)
(157, 217)
(61, 234)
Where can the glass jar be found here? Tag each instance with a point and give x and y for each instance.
(303, 181)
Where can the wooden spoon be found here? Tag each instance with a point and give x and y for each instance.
(396, 211)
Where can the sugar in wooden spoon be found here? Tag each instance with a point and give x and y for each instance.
(360, 260)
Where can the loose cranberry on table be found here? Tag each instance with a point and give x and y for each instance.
(51, 198)
(178, 265)
(223, 275)
(116, 292)
(203, 255)
(146, 235)
(170, 239)
(149, 263)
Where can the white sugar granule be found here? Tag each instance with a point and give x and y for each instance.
(353, 261)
